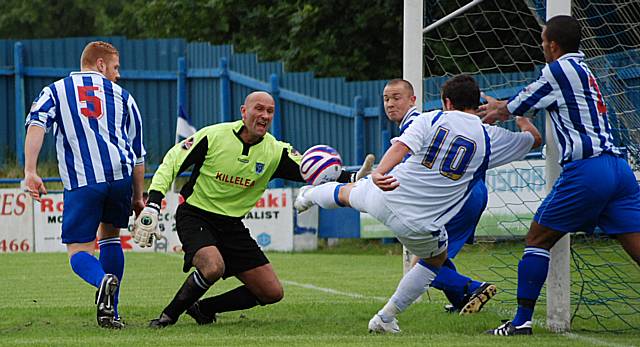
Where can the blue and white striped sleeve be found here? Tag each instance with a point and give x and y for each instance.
(43, 110)
(537, 95)
(135, 131)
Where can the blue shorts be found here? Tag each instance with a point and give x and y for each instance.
(462, 227)
(600, 191)
(86, 207)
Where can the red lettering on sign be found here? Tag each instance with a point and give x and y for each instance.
(46, 205)
(124, 240)
(6, 204)
(273, 202)
(21, 206)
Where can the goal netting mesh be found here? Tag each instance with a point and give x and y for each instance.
(499, 43)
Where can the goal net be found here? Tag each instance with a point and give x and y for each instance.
(498, 42)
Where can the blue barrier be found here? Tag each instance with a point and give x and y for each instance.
(346, 124)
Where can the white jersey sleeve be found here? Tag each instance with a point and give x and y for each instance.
(415, 135)
(507, 146)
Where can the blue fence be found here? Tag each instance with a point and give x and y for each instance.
(210, 83)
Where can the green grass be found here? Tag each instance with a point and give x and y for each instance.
(43, 303)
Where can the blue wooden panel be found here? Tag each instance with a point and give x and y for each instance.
(340, 223)
(204, 101)
(314, 110)
(7, 121)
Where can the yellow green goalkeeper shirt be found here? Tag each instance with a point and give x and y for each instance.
(228, 176)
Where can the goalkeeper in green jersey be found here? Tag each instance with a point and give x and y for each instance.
(232, 165)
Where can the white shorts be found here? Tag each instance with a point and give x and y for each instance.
(367, 197)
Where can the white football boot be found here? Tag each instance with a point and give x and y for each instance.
(302, 204)
(376, 325)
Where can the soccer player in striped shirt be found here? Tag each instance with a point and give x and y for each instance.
(596, 186)
(98, 132)
(464, 294)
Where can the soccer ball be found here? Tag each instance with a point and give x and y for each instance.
(320, 164)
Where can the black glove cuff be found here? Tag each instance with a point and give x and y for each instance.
(345, 177)
(155, 200)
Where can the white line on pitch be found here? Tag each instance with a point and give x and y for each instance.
(333, 291)
(593, 340)
(326, 290)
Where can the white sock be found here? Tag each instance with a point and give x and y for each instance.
(324, 195)
(411, 286)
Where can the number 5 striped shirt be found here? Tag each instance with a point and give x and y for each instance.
(97, 126)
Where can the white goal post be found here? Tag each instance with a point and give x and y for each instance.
(558, 280)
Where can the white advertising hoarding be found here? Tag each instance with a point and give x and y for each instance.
(271, 220)
(16, 221)
(30, 225)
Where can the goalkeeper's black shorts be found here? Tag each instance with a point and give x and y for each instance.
(198, 228)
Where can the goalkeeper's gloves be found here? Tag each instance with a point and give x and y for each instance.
(146, 226)
(365, 169)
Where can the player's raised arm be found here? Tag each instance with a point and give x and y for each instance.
(525, 125)
(391, 158)
(508, 146)
(493, 110)
(179, 158)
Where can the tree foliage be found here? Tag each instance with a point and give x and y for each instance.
(358, 39)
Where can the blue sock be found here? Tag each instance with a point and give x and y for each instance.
(532, 272)
(112, 260)
(454, 285)
(87, 267)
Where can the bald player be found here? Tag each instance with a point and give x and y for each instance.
(232, 166)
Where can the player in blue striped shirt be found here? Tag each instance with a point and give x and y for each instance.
(465, 294)
(596, 186)
(98, 132)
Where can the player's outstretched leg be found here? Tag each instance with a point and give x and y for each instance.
(324, 195)
(192, 289)
(105, 297)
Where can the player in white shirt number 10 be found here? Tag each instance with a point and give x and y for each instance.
(450, 151)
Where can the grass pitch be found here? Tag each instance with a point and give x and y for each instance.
(329, 299)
